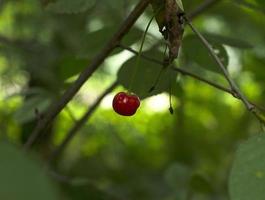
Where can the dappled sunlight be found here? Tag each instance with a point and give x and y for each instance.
(61, 64)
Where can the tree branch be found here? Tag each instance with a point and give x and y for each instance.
(231, 82)
(79, 124)
(190, 74)
(207, 4)
(55, 108)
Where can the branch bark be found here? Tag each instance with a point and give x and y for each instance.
(219, 63)
(55, 108)
(79, 124)
(204, 6)
(190, 74)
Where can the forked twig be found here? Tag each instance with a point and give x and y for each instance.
(234, 87)
(190, 74)
(79, 123)
(56, 108)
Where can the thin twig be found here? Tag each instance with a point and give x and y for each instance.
(79, 124)
(207, 4)
(231, 82)
(190, 74)
(55, 108)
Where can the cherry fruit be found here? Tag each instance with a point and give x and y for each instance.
(125, 104)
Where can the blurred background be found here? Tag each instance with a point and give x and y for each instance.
(45, 44)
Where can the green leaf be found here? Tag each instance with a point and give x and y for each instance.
(195, 52)
(160, 16)
(26, 112)
(233, 42)
(70, 7)
(93, 42)
(145, 75)
(200, 184)
(177, 176)
(180, 4)
(21, 177)
(69, 66)
(261, 3)
(247, 178)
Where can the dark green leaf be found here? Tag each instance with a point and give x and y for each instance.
(247, 178)
(94, 42)
(27, 113)
(70, 66)
(180, 4)
(145, 75)
(22, 178)
(195, 52)
(69, 6)
(200, 184)
(261, 3)
(234, 42)
(177, 176)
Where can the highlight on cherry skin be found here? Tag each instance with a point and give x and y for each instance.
(125, 104)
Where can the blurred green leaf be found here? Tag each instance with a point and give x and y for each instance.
(70, 7)
(255, 64)
(234, 42)
(194, 51)
(89, 191)
(261, 3)
(160, 17)
(27, 113)
(145, 75)
(94, 41)
(70, 66)
(247, 178)
(180, 4)
(21, 177)
(200, 184)
(178, 175)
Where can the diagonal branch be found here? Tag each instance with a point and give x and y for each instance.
(79, 124)
(190, 74)
(204, 6)
(55, 108)
(231, 82)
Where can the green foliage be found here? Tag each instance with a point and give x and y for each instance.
(70, 7)
(27, 112)
(93, 42)
(261, 3)
(70, 66)
(200, 184)
(21, 177)
(180, 4)
(145, 75)
(194, 51)
(152, 155)
(233, 42)
(247, 178)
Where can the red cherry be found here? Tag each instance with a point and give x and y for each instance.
(125, 104)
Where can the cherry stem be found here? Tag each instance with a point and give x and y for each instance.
(140, 51)
(171, 110)
(159, 74)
